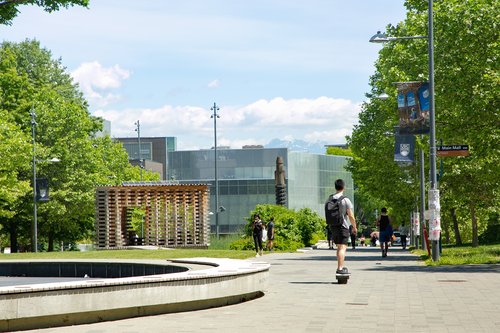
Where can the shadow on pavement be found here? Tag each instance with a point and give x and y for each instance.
(439, 269)
(311, 282)
(398, 260)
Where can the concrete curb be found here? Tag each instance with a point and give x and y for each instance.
(227, 281)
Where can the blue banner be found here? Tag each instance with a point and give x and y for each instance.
(404, 150)
(413, 107)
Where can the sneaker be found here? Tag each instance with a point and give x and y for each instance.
(342, 271)
(257, 255)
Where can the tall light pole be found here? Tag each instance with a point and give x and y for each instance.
(434, 205)
(215, 108)
(422, 196)
(40, 193)
(138, 130)
(34, 238)
(433, 195)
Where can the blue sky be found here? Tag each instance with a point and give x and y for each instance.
(285, 69)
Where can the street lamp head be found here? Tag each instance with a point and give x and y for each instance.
(383, 38)
(379, 38)
(383, 96)
(54, 160)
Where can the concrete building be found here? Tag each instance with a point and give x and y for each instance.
(154, 152)
(246, 179)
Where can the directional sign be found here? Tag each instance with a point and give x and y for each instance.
(455, 150)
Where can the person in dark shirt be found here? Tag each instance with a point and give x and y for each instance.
(270, 234)
(353, 238)
(257, 227)
(385, 231)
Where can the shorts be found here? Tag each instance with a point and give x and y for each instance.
(385, 236)
(340, 235)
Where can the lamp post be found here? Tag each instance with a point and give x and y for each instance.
(215, 108)
(34, 240)
(434, 206)
(138, 130)
(34, 227)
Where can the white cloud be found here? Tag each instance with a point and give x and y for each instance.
(95, 81)
(321, 119)
(213, 84)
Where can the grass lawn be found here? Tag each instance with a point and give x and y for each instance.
(464, 255)
(131, 254)
(219, 248)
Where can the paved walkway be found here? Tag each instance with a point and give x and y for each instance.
(393, 294)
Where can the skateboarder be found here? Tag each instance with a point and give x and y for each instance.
(341, 233)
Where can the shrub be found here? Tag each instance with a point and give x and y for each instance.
(292, 229)
(245, 243)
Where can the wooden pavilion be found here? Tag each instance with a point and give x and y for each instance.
(175, 215)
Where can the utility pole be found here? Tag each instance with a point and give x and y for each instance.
(422, 197)
(215, 108)
(141, 166)
(138, 130)
(434, 205)
(34, 239)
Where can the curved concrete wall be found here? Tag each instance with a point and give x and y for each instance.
(226, 282)
(79, 269)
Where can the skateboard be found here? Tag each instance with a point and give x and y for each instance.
(342, 278)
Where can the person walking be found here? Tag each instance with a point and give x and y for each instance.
(270, 234)
(403, 233)
(329, 236)
(353, 238)
(257, 227)
(341, 232)
(385, 231)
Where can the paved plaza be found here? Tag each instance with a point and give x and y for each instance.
(393, 294)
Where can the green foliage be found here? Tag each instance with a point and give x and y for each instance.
(464, 255)
(466, 56)
(14, 158)
(243, 243)
(9, 9)
(292, 229)
(137, 221)
(492, 233)
(224, 242)
(30, 80)
(339, 151)
(310, 224)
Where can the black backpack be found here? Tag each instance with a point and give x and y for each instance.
(333, 213)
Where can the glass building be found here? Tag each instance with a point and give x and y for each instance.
(246, 179)
(152, 149)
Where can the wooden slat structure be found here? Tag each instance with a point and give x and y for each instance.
(176, 215)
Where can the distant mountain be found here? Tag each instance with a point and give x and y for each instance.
(298, 145)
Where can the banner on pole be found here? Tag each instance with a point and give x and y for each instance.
(404, 149)
(42, 189)
(413, 107)
(434, 215)
(416, 224)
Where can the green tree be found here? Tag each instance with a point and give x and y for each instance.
(339, 151)
(9, 9)
(467, 110)
(292, 228)
(31, 80)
